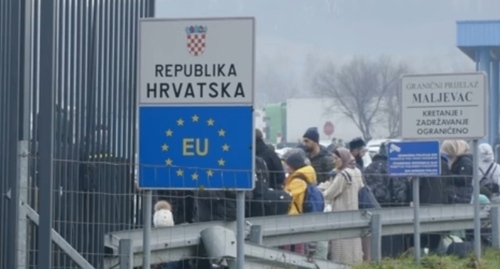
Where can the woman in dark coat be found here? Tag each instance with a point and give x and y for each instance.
(459, 185)
(433, 191)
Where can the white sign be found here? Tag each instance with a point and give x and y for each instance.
(444, 106)
(196, 61)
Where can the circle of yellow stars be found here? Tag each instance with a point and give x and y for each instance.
(194, 176)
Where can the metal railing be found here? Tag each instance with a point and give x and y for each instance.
(264, 233)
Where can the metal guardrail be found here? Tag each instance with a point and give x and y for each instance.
(178, 242)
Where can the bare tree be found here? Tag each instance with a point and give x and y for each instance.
(389, 115)
(276, 82)
(362, 89)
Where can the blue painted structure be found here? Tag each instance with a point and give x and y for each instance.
(414, 158)
(203, 147)
(480, 40)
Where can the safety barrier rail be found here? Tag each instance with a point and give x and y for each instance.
(264, 233)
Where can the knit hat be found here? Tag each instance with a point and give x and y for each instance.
(295, 158)
(163, 218)
(357, 143)
(312, 134)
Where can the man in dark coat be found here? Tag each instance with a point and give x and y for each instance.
(357, 148)
(273, 161)
(389, 191)
(320, 158)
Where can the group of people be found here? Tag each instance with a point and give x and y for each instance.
(338, 173)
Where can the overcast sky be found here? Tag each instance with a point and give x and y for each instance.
(420, 31)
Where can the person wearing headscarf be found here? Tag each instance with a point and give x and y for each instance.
(459, 185)
(341, 193)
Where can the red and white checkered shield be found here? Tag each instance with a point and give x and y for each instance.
(196, 43)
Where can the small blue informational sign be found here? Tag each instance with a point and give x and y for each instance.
(196, 147)
(414, 158)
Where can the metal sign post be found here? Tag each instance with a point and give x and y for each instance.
(147, 200)
(475, 198)
(446, 106)
(414, 160)
(240, 230)
(196, 109)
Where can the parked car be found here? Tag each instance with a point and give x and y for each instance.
(373, 146)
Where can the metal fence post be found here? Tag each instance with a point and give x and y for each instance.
(46, 138)
(495, 226)
(376, 237)
(22, 233)
(126, 254)
(148, 211)
(15, 66)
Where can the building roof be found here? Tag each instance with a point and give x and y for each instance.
(474, 34)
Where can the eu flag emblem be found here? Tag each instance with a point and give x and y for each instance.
(196, 147)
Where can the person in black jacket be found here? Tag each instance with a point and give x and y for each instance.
(389, 191)
(320, 158)
(433, 191)
(357, 147)
(459, 186)
(273, 161)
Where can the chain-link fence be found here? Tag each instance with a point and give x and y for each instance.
(88, 67)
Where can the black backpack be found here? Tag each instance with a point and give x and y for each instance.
(266, 201)
(366, 199)
(261, 170)
(487, 180)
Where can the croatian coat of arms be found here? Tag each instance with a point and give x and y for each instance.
(196, 35)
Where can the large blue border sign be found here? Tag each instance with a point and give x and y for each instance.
(414, 158)
(195, 101)
(196, 147)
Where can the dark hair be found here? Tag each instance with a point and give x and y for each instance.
(258, 134)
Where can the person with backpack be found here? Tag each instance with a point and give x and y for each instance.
(306, 197)
(266, 201)
(489, 172)
(273, 161)
(341, 193)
